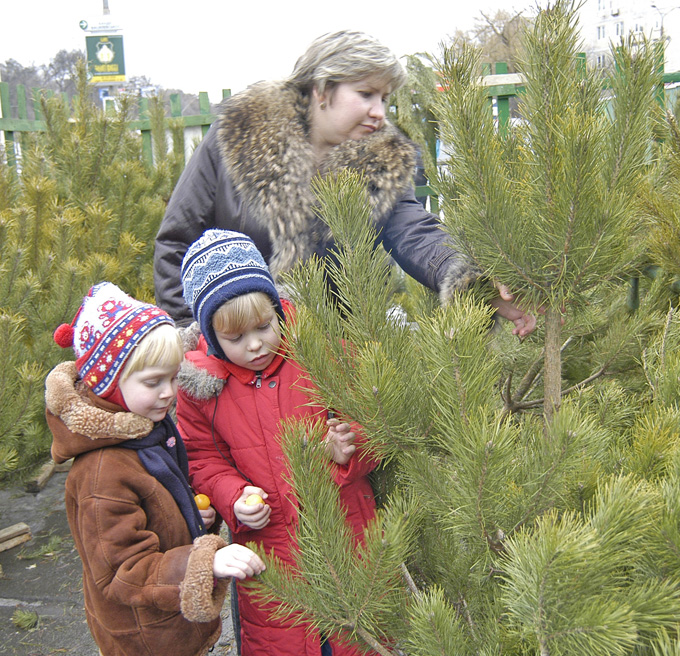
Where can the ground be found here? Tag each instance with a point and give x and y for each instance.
(44, 576)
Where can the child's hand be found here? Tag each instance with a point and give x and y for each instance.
(340, 441)
(237, 561)
(208, 516)
(253, 516)
(207, 512)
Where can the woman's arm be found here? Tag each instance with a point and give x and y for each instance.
(190, 211)
(418, 243)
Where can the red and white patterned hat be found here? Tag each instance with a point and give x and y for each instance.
(107, 326)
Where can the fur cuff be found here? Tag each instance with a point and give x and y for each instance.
(201, 595)
(460, 275)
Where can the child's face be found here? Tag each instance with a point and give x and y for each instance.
(151, 391)
(256, 346)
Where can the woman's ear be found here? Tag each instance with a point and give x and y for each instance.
(320, 98)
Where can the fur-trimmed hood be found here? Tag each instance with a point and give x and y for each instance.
(80, 421)
(263, 136)
(200, 382)
(203, 381)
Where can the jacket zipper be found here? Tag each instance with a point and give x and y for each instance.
(258, 379)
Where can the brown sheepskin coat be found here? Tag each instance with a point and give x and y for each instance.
(148, 590)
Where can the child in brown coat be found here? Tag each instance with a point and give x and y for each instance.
(153, 579)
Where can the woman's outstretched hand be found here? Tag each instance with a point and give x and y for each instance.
(506, 307)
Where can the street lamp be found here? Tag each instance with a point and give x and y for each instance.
(663, 15)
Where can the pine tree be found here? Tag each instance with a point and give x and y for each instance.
(551, 208)
(84, 207)
(501, 532)
(662, 198)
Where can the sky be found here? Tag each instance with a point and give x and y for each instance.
(229, 45)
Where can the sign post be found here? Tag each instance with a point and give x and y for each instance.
(105, 54)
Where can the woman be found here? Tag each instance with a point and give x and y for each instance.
(252, 173)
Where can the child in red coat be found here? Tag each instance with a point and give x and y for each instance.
(235, 390)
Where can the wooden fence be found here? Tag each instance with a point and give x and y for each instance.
(13, 123)
(501, 87)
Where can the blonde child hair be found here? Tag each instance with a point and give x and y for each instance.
(161, 347)
(236, 313)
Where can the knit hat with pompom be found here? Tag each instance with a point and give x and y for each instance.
(107, 326)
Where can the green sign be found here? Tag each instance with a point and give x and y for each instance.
(105, 59)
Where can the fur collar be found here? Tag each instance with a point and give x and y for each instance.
(202, 376)
(198, 382)
(84, 415)
(263, 137)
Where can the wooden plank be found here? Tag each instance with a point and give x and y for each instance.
(13, 531)
(14, 535)
(14, 542)
(21, 125)
(38, 483)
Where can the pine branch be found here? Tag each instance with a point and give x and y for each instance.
(409, 581)
(512, 402)
(468, 617)
(525, 405)
(373, 643)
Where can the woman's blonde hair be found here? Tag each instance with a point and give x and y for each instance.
(346, 57)
(236, 313)
(161, 347)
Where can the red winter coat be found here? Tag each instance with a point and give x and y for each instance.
(245, 451)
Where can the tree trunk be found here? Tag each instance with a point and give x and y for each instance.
(552, 369)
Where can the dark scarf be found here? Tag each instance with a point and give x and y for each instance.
(164, 456)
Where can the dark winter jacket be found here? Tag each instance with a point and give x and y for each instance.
(148, 590)
(230, 419)
(252, 173)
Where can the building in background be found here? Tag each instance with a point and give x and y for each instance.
(606, 21)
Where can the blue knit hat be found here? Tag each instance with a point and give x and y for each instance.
(218, 266)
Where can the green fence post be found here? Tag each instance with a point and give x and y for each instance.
(486, 70)
(204, 108)
(147, 146)
(37, 106)
(22, 113)
(6, 112)
(21, 102)
(581, 63)
(660, 58)
(175, 105)
(503, 102)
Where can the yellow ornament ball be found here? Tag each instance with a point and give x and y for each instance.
(253, 499)
(202, 501)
